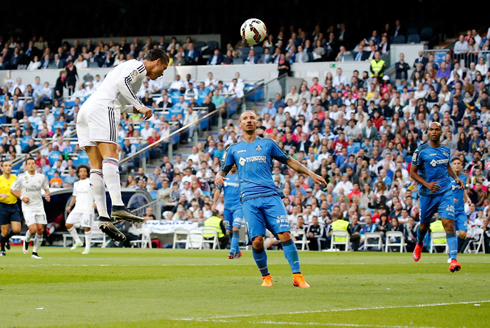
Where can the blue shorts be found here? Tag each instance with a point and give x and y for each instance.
(9, 213)
(460, 220)
(442, 204)
(265, 213)
(233, 218)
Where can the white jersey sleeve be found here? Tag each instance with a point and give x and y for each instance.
(130, 79)
(118, 88)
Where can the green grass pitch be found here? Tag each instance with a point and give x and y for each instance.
(193, 288)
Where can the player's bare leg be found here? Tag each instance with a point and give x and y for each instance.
(452, 244)
(110, 169)
(98, 191)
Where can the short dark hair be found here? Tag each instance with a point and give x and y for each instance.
(154, 54)
(30, 158)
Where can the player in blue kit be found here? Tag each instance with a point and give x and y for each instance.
(233, 209)
(432, 170)
(261, 199)
(460, 197)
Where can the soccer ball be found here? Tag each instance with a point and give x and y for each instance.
(253, 31)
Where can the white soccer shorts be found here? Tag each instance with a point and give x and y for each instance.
(35, 217)
(97, 124)
(85, 220)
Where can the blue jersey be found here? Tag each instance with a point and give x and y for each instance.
(231, 188)
(458, 193)
(254, 163)
(433, 166)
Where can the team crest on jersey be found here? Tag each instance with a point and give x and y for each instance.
(134, 73)
(258, 148)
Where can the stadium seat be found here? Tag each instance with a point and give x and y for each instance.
(373, 239)
(212, 243)
(145, 241)
(301, 239)
(401, 243)
(199, 44)
(53, 157)
(412, 30)
(426, 33)
(181, 236)
(213, 44)
(399, 39)
(477, 242)
(259, 50)
(237, 61)
(340, 234)
(413, 38)
(437, 235)
(195, 239)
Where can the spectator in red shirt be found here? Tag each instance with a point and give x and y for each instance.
(316, 86)
(377, 119)
(340, 143)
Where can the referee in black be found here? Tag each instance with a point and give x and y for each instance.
(9, 209)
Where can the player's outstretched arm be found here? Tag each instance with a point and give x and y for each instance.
(298, 167)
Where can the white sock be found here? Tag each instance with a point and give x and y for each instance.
(88, 240)
(37, 243)
(98, 191)
(28, 236)
(110, 167)
(73, 232)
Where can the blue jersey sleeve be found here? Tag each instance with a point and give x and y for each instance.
(278, 153)
(227, 161)
(416, 158)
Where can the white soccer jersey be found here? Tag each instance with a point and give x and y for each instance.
(118, 88)
(31, 186)
(85, 199)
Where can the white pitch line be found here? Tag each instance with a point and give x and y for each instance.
(329, 324)
(338, 310)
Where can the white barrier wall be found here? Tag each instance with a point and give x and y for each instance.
(266, 72)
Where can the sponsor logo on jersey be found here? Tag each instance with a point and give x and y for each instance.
(231, 184)
(450, 208)
(441, 161)
(261, 159)
(241, 151)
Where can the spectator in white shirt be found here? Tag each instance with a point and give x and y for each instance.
(177, 84)
(291, 108)
(236, 89)
(339, 78)
(211, 82)
(147, 130)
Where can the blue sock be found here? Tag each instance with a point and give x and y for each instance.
(234, 243)
(420, 236)
(291, 254)
(260, 257)
(452, 244)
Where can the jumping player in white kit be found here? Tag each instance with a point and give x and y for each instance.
(97, 123)
(28, 187)
(81, 209)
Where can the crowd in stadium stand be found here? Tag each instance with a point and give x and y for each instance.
(359, 131)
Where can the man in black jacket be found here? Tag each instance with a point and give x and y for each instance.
(315, 233)
(402, 69)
